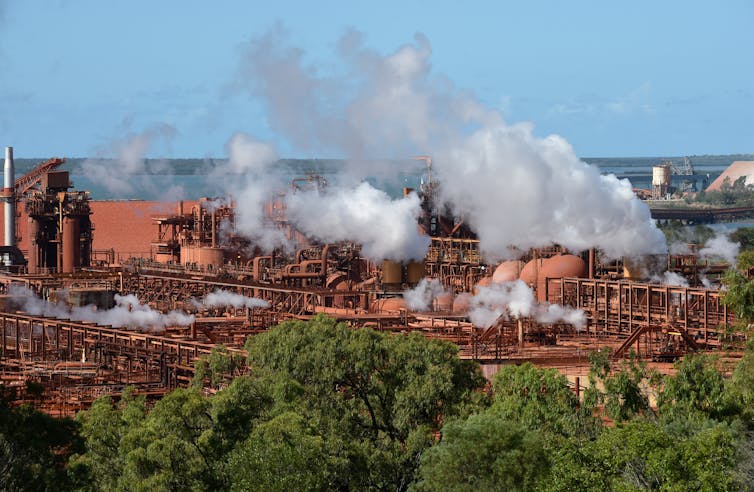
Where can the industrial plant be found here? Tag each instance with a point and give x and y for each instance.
(101, 295)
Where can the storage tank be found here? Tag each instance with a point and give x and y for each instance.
(444, 302)
(392, 274)
(415, 271)
(661, 175)
(483, 282)
(214, 257)
(391, 305)
(535, 272)
(644, 267)
(530, 271)
(559, 266)
(461, 303)
(507, 271)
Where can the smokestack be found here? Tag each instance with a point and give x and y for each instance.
(9, 197)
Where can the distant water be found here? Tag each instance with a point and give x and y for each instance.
(189, 175)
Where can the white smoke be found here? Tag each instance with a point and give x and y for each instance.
(250, 176)
(706, 283)
(720, 246)
(127, 313)
(123, 171)
(670, 278)
(514, 188)
(516, 300)
(386, 228)
(420, 298)
(680, 248)
(222, 298)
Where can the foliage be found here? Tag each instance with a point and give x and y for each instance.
(645, 456)
(540, 398)
(389, 392)
(286, 454)
(484, 452)
(737, 193)
(326, 407)
(218, 368)
(697, 390)
(624, 392)
(739, 288)
(676, 232)
(34, 449)
(744, 236)
(181, 444)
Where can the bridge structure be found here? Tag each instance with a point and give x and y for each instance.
(702, 215)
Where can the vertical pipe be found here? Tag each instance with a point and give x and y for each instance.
(214, 228)
(33, 233)
(9, 197)
(71, 246)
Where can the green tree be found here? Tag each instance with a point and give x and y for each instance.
(739, 288)
(387, 392)
(623, 393)
(217, 369)
(697, 390)
(34, 449)
(484, 452)
(744, 236)
(286, 454)
(540, 398)
(645, 456)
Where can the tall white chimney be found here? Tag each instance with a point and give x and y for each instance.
(9, 198)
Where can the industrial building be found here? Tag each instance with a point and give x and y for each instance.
(69, 249)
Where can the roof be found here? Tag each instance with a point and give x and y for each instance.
(733, 172)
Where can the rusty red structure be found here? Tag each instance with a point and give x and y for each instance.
(196, 251)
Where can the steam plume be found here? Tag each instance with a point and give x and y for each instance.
(516, 190)
(128, 172)
(128, 312)
(420, 298)
(222, 298)
(515, 299)
(720, 246)
(386, 228)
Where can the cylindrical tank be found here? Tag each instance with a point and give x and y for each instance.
(483, 282)
(163, 257)
(507, 271)
(530, 271)
(33, 259)
(559, 266)
(392, 273)
(415, 271)
(71, 246)
(389, 305)
(660, 175)
(444, 302)
(189, 254)
(214, 257)
(643, 267)
(461, 303)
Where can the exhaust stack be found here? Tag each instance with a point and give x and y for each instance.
(9, 197)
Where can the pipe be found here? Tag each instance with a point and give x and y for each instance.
(214, 228)
(9, 197)
(71, 245)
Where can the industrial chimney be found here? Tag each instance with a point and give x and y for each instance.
(9, 197)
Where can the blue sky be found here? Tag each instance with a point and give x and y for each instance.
(614, 78)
